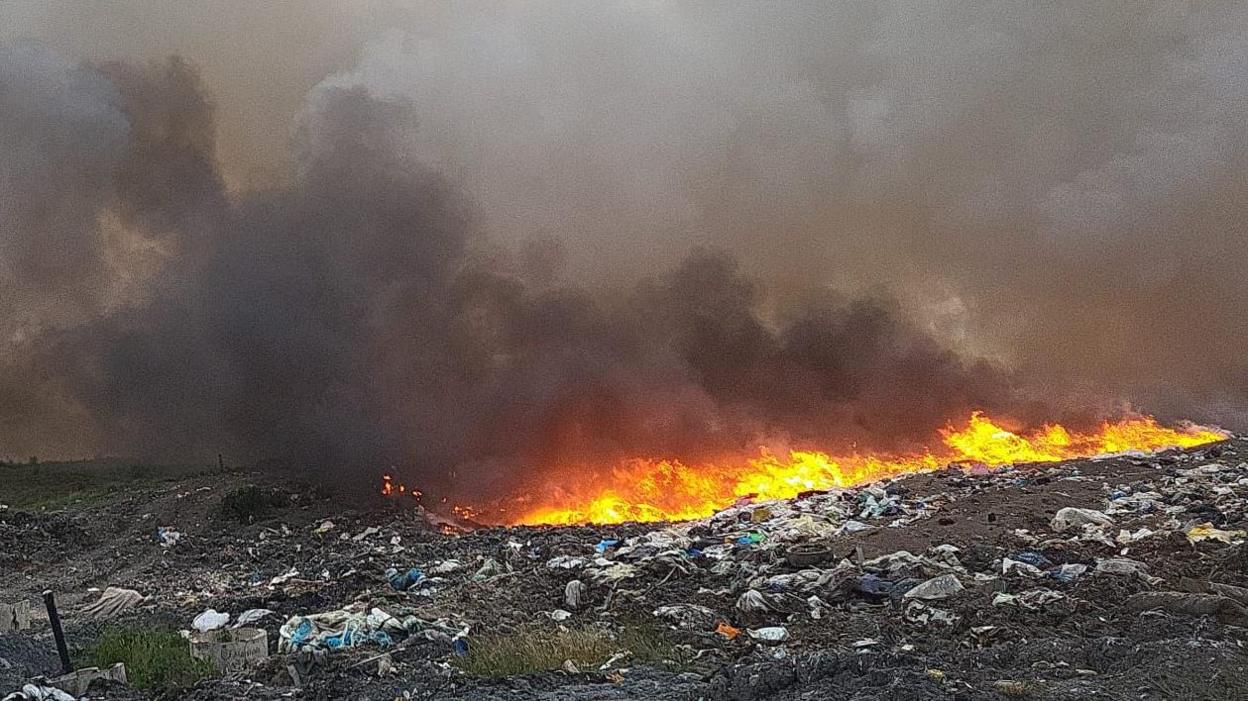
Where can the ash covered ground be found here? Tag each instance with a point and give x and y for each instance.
(1114, 578)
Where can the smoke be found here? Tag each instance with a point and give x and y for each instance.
(530, 235)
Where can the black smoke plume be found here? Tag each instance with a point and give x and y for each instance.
(352, 320)
(360, 315)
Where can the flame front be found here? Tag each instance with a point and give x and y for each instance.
(668, 490)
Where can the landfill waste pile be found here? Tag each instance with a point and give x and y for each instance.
(1120, 577)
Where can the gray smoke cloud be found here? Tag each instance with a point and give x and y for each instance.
(493, 239)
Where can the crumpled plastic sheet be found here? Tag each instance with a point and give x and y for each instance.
(36, 692)
(336, 630)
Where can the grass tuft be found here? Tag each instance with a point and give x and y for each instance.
(157, 660)
(541, 650)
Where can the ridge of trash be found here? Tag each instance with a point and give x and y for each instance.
(1098, 576)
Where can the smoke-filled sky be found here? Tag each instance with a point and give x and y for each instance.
(502, 235)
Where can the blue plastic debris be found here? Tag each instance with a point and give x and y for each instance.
(606, 543)
(1033, 558)
(301, 634)
(874, 585)
(1067, 573)
(402, 581)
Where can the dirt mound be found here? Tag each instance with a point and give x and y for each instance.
(1052, 581)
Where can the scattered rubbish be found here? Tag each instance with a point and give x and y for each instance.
(1207, 531)
(1120, 566)
(574, 594)
(874, 585)
(78, 682)
(919, 612)
(1010, 687)
(14, 616)
(807, 555)
(167, 537)
(565, 562)
(614, 573)
(940, 587)
(752, 601)
(753, 590)
(210, 620)
(1033, 558)
(852, 526)
(446, 567)
(490, 568)
(751, 538)
(281, 579)
(366, 533)
(770, 634)
(402, 581)
(334, 630)
(112, 602)
(613, 660)
(873, 507)
(1033, 599)
(231, 650)
(1068, 572)
(1023, 569)
(1126, 537)
(38, 692)
(1070, 517)
(252, 616)
(689, 616)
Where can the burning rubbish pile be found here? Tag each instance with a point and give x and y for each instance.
(708, 356)
(1105, 576)
(668, 490)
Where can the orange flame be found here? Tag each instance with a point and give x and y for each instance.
(388, 488)
(668, 490)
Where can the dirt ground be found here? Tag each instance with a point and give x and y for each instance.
(1086, 635)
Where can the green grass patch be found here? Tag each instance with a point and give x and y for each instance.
(157, 660)
(540, 650)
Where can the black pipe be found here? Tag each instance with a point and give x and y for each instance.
(54, 618)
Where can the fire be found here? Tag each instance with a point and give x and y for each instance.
(389, 488)
(668, 490)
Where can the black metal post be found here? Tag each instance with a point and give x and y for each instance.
(49, 600)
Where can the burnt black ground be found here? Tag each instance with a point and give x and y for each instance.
(1087, 645)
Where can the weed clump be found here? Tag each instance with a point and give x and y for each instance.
(531, 651)
(157, 660)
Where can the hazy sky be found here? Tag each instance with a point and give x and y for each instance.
(1058, 186)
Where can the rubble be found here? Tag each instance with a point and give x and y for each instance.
(38, 692)
(234, 650)
(14, 616)
(113, 602)
(1079, 579)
